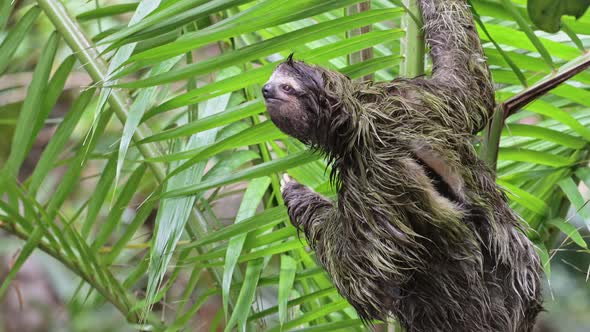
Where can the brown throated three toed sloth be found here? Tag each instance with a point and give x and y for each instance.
(419, 230)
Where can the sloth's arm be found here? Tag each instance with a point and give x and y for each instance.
(307, 210)
(460, 72)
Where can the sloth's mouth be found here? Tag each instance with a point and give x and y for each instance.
(439, 184)
(273, 99)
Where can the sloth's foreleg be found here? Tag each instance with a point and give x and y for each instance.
(307, 209)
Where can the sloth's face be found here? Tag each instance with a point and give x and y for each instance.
(293, 99)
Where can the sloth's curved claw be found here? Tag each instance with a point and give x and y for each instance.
(284, 180)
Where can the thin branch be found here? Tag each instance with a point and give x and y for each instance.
(412, 45)
(491, 136)
(530, 94)
(488, 151)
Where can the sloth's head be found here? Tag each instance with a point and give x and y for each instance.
(303, 100)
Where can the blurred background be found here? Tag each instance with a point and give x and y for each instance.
(139, 184)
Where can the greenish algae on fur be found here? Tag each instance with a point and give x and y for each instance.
(419, 231)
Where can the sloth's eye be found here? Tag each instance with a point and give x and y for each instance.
(287, 88)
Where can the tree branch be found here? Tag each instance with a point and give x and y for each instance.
(413, 44)
(530, 94)
(491, 135)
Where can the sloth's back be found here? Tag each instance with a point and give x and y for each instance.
(397, 245)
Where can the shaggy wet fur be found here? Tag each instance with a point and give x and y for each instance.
(419, 231)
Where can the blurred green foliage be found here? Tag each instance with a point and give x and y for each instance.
(137, 156)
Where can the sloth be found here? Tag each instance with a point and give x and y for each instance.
(419, 230)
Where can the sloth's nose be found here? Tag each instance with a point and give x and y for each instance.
(267, 91)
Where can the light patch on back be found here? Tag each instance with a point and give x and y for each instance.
(437, 163)
(440, 201)
(279, 77)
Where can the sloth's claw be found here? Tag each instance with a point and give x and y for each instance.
(284, 180)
